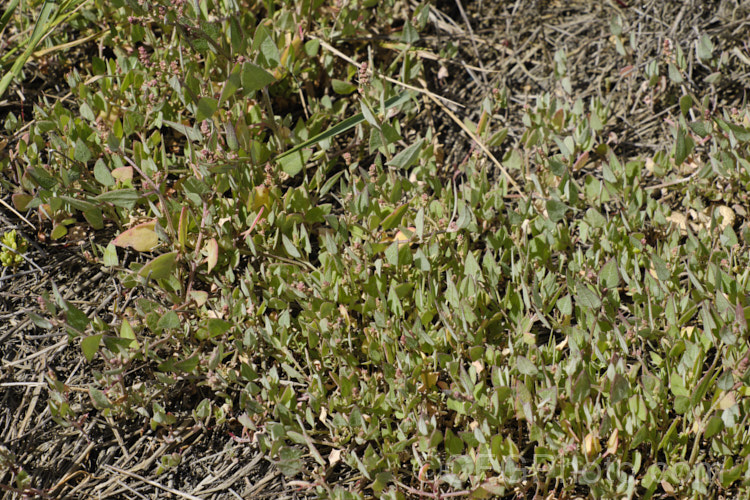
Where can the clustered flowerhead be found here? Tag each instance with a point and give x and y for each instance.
(269, 175)
(12, 249)
(363, 76)
(143, 56)
(208, 155)
(668, 51)
(205, 128)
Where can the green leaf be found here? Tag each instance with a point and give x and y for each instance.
(587, 298)
(195, 186)
(390, 133)
(620, 389)
(81, 205)
(102, 174)
(686, 102)
(394, 219)
(100, 400)
(160, 267)
(609, 276)
(556, 210)
(525, 366)
(409, 33)
(94, 218)
(674, 73)
(90, 346)
(290, 247)
(343, 87)
(497, 138)
(98, 66)
(699, 392)
(217, 327)
(714, 426)
(565, 305)
(126, 332)
(681, 404)
(268, 49)
(369, 116)
(581, 387)
(741, 133)
(82, 152)
(471, 266)
(421, 260)
(76, 318)
(203, 410)
(169, 321)
(254, 77)
(700, 127)
(191, 133)
(705, 48)
(187, 365)
(408, 156)
(661, 268)
(40, 321)
(293, 163)
(312, 47)
(382, 479)
(727, 477)
(330, 182)
(290, 463)
(671, 431)
(206, 108)
(419, 223)
(453, 444)
(58, 231)
(86, 112)
(231, 136)
(231, 85)
(729, 237)
(680, 148)
(124, 198)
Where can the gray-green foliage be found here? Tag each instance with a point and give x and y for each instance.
(361, 303)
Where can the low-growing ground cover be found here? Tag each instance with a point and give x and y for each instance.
(360, 249)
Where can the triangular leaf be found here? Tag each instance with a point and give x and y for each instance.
(408, 156)
(254, 77)
(609, 276)
(206, 108)
(620, 389)
(394, 219)
(90, 345)
(587, 298)
(82, 152)
(160, 267)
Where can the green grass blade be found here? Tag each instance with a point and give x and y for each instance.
(345, 125)
(49, 18)
(8, 14)
(4, 20)
(40, 29)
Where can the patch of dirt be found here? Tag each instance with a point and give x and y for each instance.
(513, 46)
